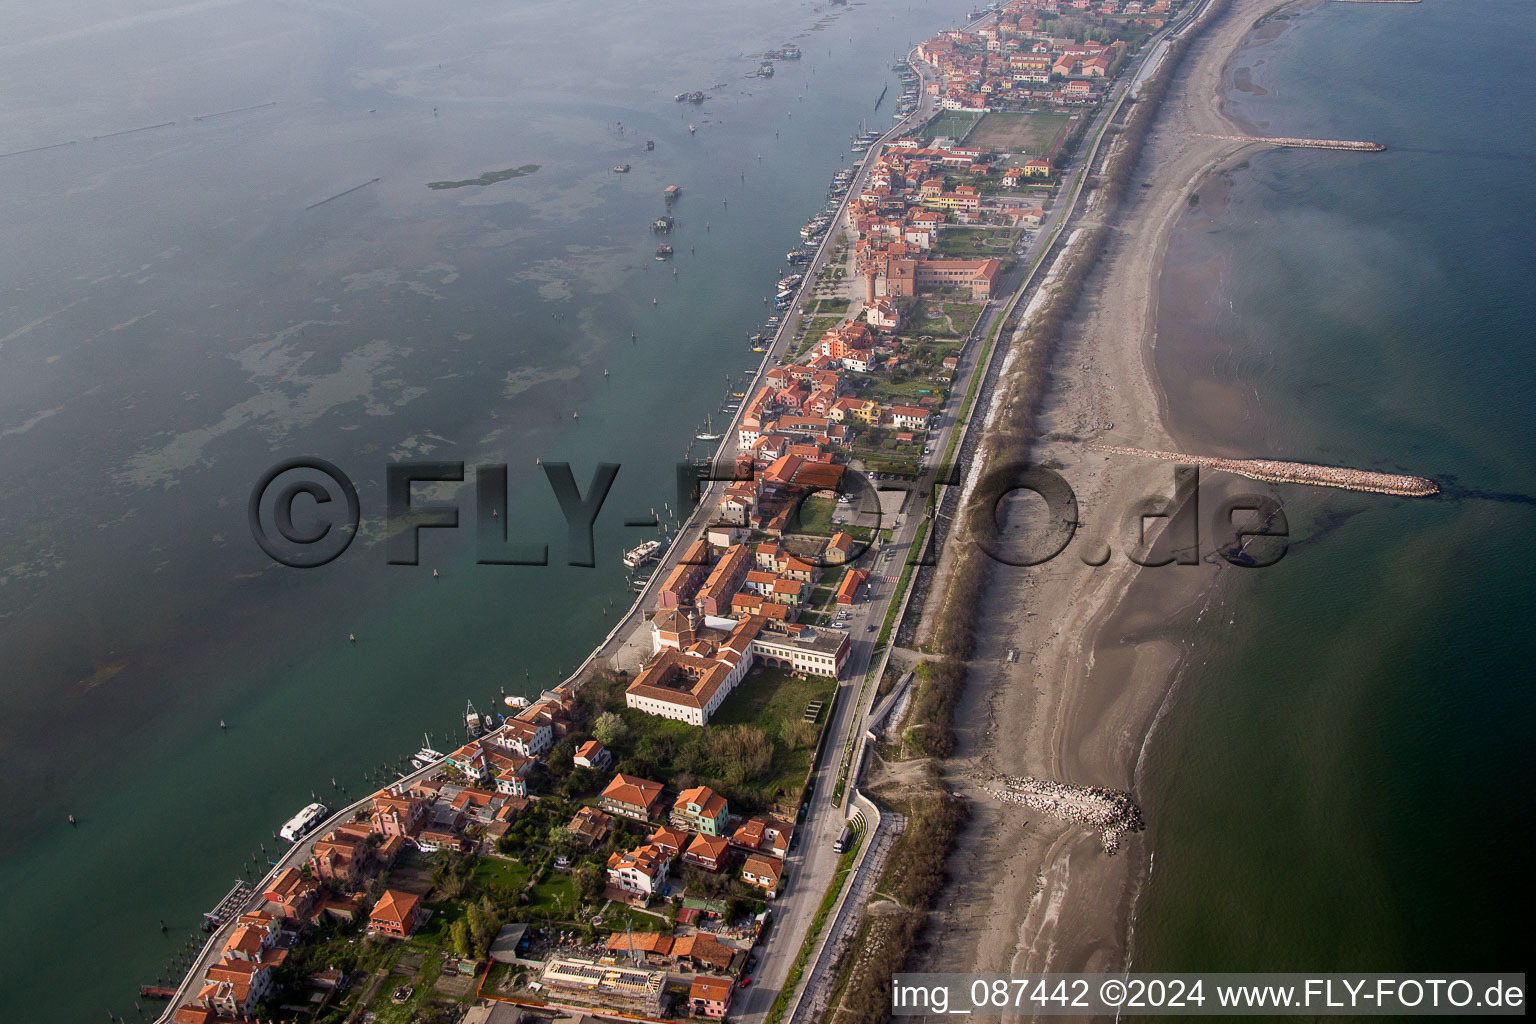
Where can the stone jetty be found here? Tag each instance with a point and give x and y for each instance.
(1111, 811)
(1277, 471)
(1275, 140)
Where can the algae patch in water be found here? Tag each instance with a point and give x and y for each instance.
(488, 178)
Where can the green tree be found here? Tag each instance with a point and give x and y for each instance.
(588, 883)
(581, 782)
(484, 923)
(459, 936)
(559, 759)
(740, 752)
(609, 729)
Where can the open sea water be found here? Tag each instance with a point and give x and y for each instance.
(1343, 778)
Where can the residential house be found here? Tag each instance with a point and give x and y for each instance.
(838, 549)
(707, 852)
(763, 872)
(908, 417)
(672, 840)
(594, 755)
(396, 914)
(642, 870)
(709, 997)
(701, 810)
(632, 797)
(848, 586)
(590, 826)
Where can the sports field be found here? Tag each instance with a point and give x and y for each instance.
(1035, 133)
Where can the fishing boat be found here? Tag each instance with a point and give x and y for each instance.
(663, 252)
(638, 556)
(671, 192)
(621, 168)
(662, 224)
(765, 70)
(650, 144)
(474, 722)
(798, 256)
(790, 53)
(692, 128)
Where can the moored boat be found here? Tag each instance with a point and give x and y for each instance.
(638, 556)
(426, 756)
(301, 824)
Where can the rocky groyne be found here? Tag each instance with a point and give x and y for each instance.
(1280, 472)
(1347, 144)
(1111, 811)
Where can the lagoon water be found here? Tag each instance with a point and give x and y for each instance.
(179, 315)
(1342, 779)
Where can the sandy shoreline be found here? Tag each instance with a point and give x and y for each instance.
(1099, 648)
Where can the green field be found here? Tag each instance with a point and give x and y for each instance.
(975, 243)
(828, 306)
(815, 516)
(767, 696)
(1035, 133)
(941, 318)
(953, 123)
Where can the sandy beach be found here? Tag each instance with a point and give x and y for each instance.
(1098, 646)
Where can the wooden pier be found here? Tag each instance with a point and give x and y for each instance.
(1280, 472)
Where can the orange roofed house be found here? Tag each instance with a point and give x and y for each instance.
(632, 797)
(642, 870)
(709, 997)
(702, 810)
(763, 872)
(396, 914)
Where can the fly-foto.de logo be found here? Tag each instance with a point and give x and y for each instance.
(305, 512)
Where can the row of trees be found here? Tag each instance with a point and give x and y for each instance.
(471, 935)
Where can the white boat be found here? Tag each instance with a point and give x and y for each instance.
(426, 756)
(512, 700)
(303, 823)
(638, 556)
(707, 434)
